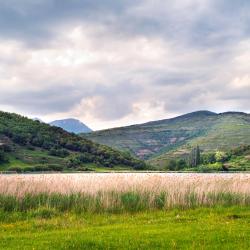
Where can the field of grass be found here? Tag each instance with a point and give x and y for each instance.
(201, 228)
(125, 211)
(122, 192)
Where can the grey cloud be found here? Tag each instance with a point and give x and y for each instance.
(236, 95)
(116, 101)
(38, 22)
(113, 102)
(53, 99)
(179, 78)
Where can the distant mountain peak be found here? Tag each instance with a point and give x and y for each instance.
(198, 113)
(71, 125)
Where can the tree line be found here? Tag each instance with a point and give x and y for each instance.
(197, 158)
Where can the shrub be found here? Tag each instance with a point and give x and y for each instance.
(55, 167)
(221, 156)
(3, 157)
(132, 201)
(15, 169)
(59, 152)
(171, 165)
(160, 200)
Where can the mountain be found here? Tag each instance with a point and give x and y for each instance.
(28, 145)
(72, 125)
(159, 141)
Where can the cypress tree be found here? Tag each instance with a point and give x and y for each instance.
(195, 157)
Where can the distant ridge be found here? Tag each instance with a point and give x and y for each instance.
(200, 114)
(72, 125)
(233, 113)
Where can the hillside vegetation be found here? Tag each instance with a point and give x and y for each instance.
(160, 141)
(27, 145)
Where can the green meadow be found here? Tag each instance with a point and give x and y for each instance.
(200, 228)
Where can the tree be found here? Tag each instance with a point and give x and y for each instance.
(195, 157)
(59, 152)
(208, 158)
(172, 165)
(73, 162)
(3, 157)
(221, 156)
(180, 164)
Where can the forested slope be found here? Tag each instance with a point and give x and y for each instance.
(31, 145)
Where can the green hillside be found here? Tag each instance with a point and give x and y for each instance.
(162, 140)
(27, 145)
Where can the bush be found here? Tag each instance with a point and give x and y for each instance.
(131, 201)
(28, 169)
(3, 157)
(84, 169)
(171, 165)
(208, 158)
(73, 162)
(175, 165)
(20, 139)
(15, 169)
(210, 168)
(30, 147)
(6, 148)
(160, 200)
(221, 156)
(55, 167)
(59, 152)
(43, 168)
(181, 164)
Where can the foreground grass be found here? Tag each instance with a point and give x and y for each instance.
(114, 202)
(200, 228)
(125, 211)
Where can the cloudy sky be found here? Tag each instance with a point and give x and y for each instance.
(112, 63)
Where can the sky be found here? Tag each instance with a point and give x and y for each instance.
(114, 63)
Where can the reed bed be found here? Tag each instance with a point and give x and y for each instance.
(117, 192)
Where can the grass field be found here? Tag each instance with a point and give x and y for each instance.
(122, 192)
(125, 211)
(201, 228)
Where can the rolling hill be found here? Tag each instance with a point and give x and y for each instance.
(71, 125)
(159, 141)
(28, 145)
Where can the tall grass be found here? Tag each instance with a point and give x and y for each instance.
(122, 192)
